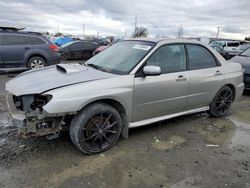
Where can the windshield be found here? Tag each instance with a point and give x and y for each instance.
(246, 53)
(122, 57)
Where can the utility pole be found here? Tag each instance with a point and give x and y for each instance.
(218, 32)
(83, 29)
(125, 33)
(180, 31)
(98, 33)
(135, 23)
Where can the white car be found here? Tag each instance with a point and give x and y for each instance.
(130, 84)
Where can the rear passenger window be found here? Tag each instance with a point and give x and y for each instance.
(36, 41)
(90, 46)
(15, 40)
(199, 57)
(233, 44)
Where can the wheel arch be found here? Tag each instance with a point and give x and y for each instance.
(232, 87)
(121, 110)
(36, 55)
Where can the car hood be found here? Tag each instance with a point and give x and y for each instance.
(244, 61)
(41, 80)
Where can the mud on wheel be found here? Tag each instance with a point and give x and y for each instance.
(96, 128)
(222, 102)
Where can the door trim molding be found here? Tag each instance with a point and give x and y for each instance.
(153, 120)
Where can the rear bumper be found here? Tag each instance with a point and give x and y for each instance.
(55, 59)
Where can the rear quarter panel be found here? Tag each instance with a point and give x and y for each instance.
(233, 74)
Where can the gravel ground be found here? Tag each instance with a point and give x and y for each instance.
(189, 151)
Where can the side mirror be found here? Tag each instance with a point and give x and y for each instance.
(151, 70)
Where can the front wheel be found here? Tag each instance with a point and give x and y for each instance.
(221, 103)
(96, 128)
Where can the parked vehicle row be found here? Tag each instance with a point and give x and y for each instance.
(33, 50)
(222, 52)
(150, 81)
(244, 59)
(26, 49)
(77, 50)
(229, 49)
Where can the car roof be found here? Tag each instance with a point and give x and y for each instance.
(165, 40)
(83, 41)
(13, 30)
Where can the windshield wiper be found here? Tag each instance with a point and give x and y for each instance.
(97, 67)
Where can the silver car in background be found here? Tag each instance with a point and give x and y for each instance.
(130, 84)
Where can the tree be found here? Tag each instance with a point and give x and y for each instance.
(247, 38)
(58, 34)
(180, 31)
(140, 32)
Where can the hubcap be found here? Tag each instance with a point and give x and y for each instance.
(223, 101)
(36, 64)
(100, 132)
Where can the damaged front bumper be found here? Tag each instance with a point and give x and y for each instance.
(35, 123)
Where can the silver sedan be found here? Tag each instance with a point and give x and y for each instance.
(132, 83)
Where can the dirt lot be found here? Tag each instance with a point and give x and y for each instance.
(190, 151)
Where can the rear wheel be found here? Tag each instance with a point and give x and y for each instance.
(222, 102)
(36, 62)
(63, 56)
(96, 128)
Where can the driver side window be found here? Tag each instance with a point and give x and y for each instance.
(171, 58)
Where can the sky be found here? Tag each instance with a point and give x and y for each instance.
(197, 18)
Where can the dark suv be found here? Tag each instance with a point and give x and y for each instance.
(26, 49)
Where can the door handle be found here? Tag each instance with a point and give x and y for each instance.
(218, 73)
(26, 48)
(181, 78)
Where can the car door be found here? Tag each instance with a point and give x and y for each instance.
(14, 49)
(156, 96)
(206, 76)
(88, 49)
(76, 50)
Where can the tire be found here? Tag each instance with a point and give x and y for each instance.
(36, 62)
(221, 103)
(96, 128)
(63, 56)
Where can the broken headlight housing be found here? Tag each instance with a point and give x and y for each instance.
(29, 103)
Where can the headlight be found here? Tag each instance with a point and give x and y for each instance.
(29, 103)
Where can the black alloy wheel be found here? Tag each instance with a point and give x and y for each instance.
(222, 102)
(96, 128)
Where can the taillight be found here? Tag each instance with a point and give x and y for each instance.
(53, 47)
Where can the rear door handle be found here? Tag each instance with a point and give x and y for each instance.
(218, 73)
(181, 78)
(26, 48)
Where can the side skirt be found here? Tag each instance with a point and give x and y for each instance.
(153, 120)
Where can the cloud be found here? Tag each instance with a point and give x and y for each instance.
(114, 17)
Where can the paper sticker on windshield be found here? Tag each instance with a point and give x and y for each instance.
(141, 47)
